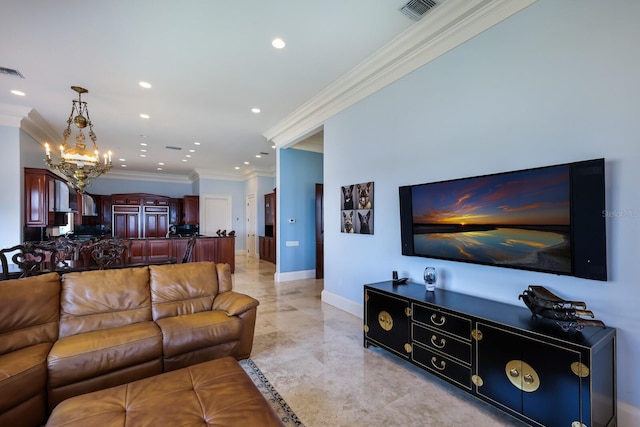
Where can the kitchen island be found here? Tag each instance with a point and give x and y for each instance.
(216, 249)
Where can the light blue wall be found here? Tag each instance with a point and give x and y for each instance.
(299, 172)
(556, 83)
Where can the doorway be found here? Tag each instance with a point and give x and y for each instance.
(251, 225)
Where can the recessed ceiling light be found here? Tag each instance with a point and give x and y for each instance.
(144, 116)
(237, 167)
(159, 169)
(184, 160)
(145, 85)
(18, 93)
(123, 160)
(124, 166)
(258, 156)
(187, 155)
(246, 163)
(144, 144)
(192, 151)
(143, 155)
(255, 110)
(273, 146)
(196, 143)
(278, 43)
(161, 163)
(143, 150)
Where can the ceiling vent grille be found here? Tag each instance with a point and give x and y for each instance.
(172, 147)
(11, 72)
(416, 9)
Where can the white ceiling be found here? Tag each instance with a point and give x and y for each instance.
(209, 61)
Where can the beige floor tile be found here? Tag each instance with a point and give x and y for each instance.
(313, 354)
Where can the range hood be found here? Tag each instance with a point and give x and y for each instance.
(89, 207)
(63, 193)
(66, 198)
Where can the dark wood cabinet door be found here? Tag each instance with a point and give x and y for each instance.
(126, 225)
(191, 207)
(137, 251)
(159, 250)
(205, 250)
(104, 212)
(36, 197)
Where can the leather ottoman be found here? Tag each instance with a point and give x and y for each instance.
(214, 393)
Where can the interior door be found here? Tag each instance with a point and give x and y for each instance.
(251, 225)
(319, 231)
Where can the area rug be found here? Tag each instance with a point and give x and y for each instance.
(289, 418)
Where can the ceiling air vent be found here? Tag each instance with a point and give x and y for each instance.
(416, 9)
(11, 72)
(172, 147)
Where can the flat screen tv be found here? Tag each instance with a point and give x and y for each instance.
(549, 219)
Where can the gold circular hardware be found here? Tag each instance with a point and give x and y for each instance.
(476, 334)
(580, 369)
(433, 342)
(385, 320)
(477, 380)
(366, 328)
(407, 311)
(522, 375)
(434, 317)
(408, 348)
(442, 366)
(578, 424)
(366, 297)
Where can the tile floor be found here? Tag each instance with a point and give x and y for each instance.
(314, 356)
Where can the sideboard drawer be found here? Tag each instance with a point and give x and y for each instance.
(442, 320)
(442, 366)
(435, 340)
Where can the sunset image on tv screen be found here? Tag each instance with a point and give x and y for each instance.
(520, 219)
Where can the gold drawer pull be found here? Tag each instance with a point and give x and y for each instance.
(433, 342)
(433, 320)
(442, 366)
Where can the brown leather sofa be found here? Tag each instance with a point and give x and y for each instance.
(87, 331)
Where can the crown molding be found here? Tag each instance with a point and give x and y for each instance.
(444, 28)
(147, 176)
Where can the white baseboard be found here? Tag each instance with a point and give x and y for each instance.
(343, 303)
(294, 275)
(628, 415)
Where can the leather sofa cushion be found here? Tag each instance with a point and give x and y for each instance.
(78, 357)
(214, 393)
(183, 334)
(224, 277)
(104, 299)
(31, 316)
(23, 374)
(180, 289)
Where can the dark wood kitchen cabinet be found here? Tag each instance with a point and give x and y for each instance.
(267, 243)
(126, 222)
(191, 210)
(526, 366)
(39, 199)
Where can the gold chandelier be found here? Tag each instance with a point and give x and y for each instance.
(79, 164)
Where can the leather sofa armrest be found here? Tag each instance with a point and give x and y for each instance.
(234, 303)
